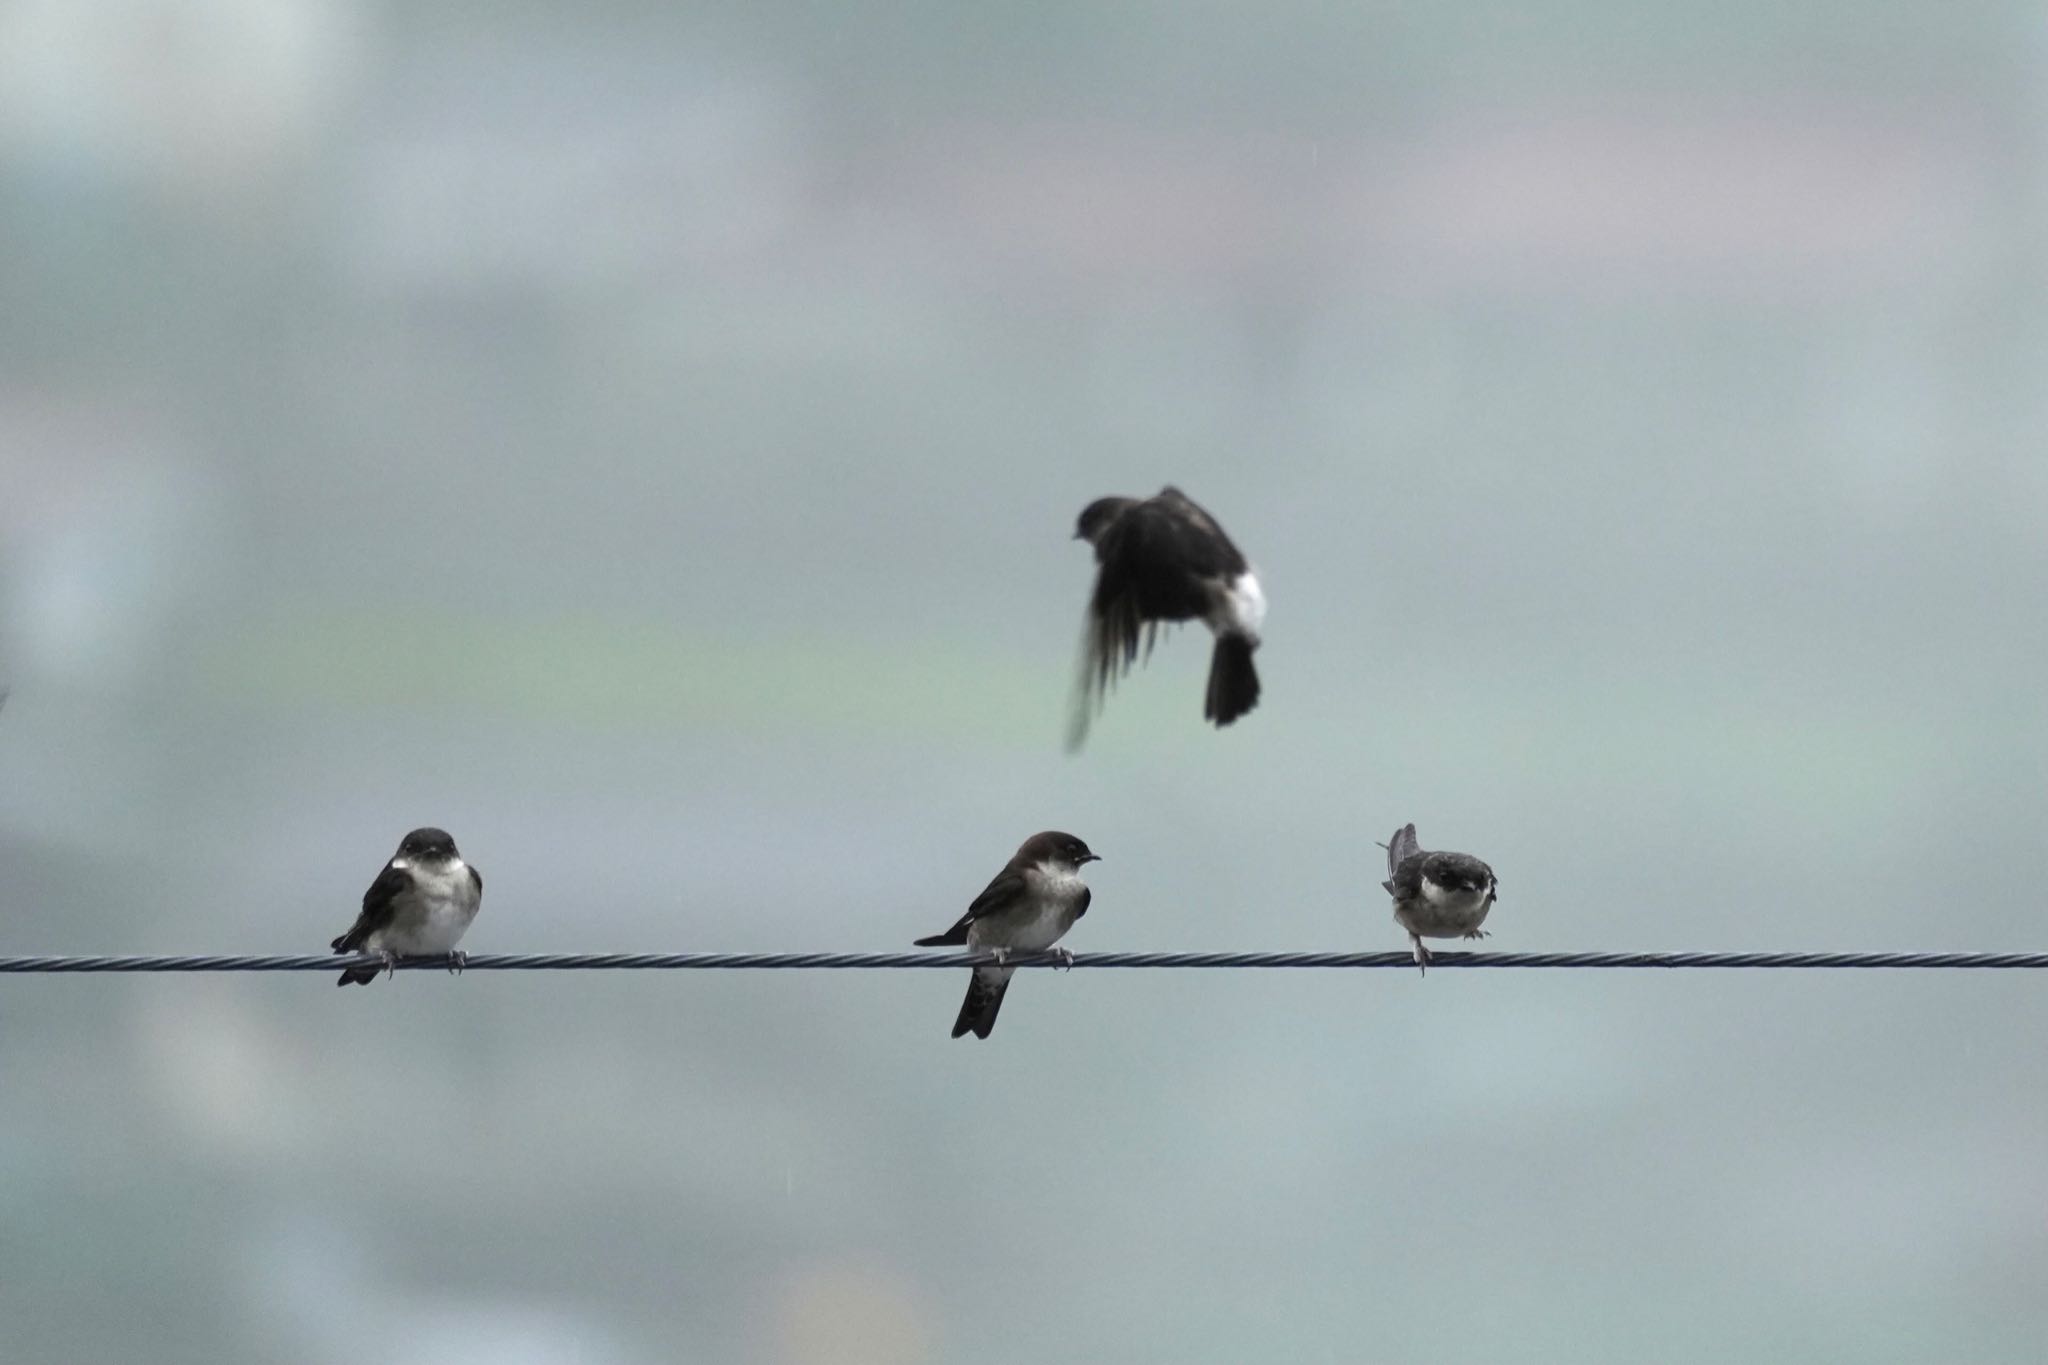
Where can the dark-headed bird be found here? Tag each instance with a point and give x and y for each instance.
(1165, 560)
(1031, 903)
(419, 906)
(1436, 895)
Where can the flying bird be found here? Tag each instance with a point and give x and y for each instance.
(1436, 895)
(1031, 903)
(419, 906)
(1165, 560)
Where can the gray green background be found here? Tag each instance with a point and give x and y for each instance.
(644, 440)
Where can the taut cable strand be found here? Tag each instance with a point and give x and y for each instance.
(575, 962)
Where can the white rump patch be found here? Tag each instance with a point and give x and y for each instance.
(1242, 609)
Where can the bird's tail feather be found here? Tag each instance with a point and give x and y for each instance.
(353, 976)
(1400, 848)
(955, 937)
(984, 998)
(1233, 682)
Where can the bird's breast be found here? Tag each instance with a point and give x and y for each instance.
(1440, 912)
(1035, 925)
(431, 915)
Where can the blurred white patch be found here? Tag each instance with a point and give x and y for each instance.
(607, 168)
(226, 1079)
(195, 92)
(105, 535)
(503, 1332)
(850, 1313)
(314, 1282)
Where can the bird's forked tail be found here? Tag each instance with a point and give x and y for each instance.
(984, 998)
(1233, 682)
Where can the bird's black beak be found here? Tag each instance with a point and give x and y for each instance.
(1091, 858)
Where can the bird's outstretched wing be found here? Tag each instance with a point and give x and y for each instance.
(1104, 657)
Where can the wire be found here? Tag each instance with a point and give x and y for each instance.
(561, 962)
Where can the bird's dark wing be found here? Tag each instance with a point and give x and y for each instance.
(1159, 562)
(1202, 537)
(1117, 608)
(1400, 848)
(1162, 551)
(1406, 883)
(476, 879)
(999, 895)
(1087, 895)
(378, 908)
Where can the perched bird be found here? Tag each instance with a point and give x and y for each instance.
(1165, 560)
(1436, 895)
(1032, 902)
(419, 906)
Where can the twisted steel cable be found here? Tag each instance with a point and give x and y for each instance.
(570, 962)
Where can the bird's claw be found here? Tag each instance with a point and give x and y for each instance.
(1421, 956)
(457, 960)
(1001, 955)
(1063, 959)
(390, 961)
(1477, 933)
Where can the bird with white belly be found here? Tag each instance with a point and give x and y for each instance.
(420, 906)
(1436, 895)
(1027, 908)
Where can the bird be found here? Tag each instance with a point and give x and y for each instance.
(1165, 560)
(419, 906)
(1436, 895)
(1029, 905)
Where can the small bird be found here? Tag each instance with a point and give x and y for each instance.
(1436, 895)
(419, 906)
(1165, 560)
(1031, 903)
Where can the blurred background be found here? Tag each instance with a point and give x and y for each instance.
(645, 439)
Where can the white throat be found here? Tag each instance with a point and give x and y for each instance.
(1447, 898)
(1057, 881)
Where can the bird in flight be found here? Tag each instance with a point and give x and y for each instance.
(1164, 560)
